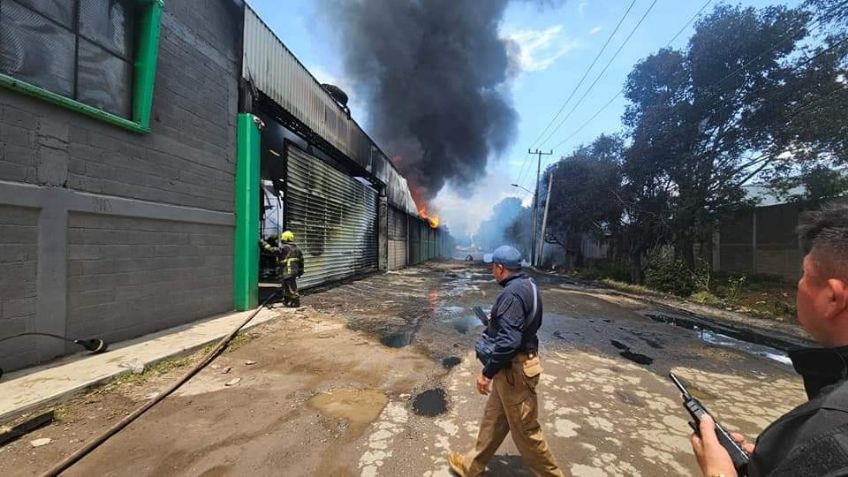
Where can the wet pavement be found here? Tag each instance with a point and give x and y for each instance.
(376, 377)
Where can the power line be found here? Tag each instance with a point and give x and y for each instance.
(684, 27)
(586, 73)
(785, 37)
(611, 100)
(601, 74)
(620, 92)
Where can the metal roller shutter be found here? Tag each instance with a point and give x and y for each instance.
(398, 237)
(333, 217)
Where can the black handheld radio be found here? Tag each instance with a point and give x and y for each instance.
(697, 410)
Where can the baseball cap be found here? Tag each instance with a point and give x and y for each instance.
(505, 255)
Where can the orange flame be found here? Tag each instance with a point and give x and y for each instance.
(418, 196)
(434, 220)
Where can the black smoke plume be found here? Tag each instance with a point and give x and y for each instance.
(434, 73)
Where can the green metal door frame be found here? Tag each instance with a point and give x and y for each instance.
(246, 243)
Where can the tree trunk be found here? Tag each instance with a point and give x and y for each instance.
(686, 251)
(636, 266)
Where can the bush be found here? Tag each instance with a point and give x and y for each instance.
(706, 298)
(666, 274)
(600, 269)
(628, 287)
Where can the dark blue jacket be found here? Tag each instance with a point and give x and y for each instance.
(511, 328)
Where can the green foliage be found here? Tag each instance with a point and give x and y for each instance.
(702, 277)
(628, 287)
(585, 197)
(706, 298)
(599, 269)
(734, 286)
(667, 274)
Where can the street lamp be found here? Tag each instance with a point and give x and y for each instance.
(520, 187)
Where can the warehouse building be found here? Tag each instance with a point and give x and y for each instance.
(140, 145)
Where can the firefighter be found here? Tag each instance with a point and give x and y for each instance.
(290, 262)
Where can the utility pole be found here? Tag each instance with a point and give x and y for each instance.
(545, 218)
(536, 200)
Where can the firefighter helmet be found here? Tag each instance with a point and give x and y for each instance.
(287, 236)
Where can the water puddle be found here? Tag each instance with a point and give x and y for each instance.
(719, 339)
(397, 340)
(450, 362)
(357, 407)
(430, 403)
(465, 323)
(726, 337)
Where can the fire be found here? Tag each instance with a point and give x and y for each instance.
(422, 208)
(434, 220)
(421, 202)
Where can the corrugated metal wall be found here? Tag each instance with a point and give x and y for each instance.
(398, 236)
(333, 217)
(276, 72)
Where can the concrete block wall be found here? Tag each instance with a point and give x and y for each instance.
(128, 277)
(762, 241)
(18, 267)
(119, 220)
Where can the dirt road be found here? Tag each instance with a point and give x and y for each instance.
(376, 377)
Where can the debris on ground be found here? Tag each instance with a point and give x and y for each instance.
(40, 442)
(135, 365)
(232, 382)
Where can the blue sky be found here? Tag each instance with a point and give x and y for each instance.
(557, 45)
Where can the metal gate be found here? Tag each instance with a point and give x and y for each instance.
(333, 217)
(398, 237)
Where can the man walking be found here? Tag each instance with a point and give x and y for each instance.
(510, 374)
(290, 263)
(812, 439)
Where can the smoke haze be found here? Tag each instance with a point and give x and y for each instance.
(434, 73)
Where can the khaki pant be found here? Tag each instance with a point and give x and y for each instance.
(513, 408)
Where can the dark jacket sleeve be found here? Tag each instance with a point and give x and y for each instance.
(302, 265)
(507, 341)
(269, 248)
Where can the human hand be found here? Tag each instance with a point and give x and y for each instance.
(712, 457)
(483, 384)
(742, 442)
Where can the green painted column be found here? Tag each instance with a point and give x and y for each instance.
(246, 254)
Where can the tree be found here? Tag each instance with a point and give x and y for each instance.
(696, 119)
(815, 185)
(584, 196)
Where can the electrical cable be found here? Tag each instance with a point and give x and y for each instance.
(108, 433)
(683, 28)
(601, 74)
(708, 88)
(586, 73)
(521, 174)
(620, 92)
(95, 345)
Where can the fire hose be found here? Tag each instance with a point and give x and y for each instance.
(117, 427)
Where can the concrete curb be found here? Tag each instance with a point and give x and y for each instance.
(28, 389)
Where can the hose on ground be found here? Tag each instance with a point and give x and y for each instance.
(108, 433)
